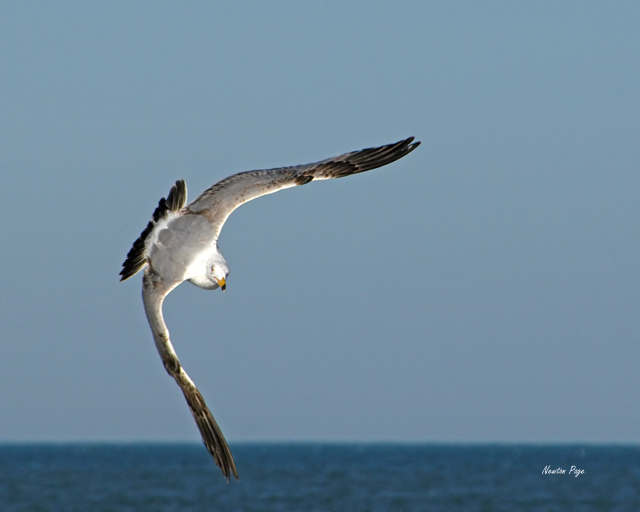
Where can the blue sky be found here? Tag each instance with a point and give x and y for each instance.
(484, 288)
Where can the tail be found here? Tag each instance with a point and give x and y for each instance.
(137, 257)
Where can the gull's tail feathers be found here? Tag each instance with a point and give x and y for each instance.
(137, 257)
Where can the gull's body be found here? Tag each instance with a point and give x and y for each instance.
(180, 244)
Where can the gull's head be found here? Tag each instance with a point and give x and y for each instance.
(213, 275)
(219, 271)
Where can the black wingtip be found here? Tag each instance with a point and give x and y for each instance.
(212, 436)
(372, 158)
(137, 258)
(177, 196)
(409, 144)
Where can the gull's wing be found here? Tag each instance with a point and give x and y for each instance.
(218, 201)
(137, 257)
(154, 291)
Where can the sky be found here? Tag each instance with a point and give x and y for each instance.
(485, 288)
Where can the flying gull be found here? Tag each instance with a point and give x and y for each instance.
(180, 243)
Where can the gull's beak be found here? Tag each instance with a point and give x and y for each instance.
(222, 283)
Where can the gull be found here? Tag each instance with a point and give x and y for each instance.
(180, 243)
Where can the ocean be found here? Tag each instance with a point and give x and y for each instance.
(320, 477)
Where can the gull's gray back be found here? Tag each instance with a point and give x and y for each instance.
(181, 245)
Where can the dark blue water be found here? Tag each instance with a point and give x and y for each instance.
(326, 477)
